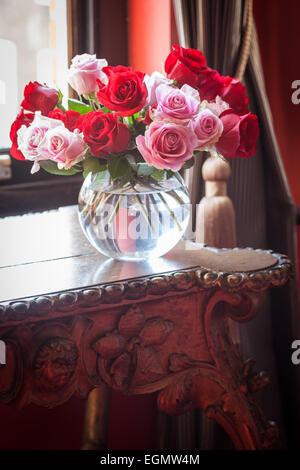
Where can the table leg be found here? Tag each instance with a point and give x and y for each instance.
(224, 388)
(96, 419)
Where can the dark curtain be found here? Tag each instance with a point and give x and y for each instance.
(265, 217)
(89, 29)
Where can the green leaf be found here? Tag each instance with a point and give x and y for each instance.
(99, 177)
(188, 164)
(169, 174)
(92, 165)
(60, 95)
(105, 110)
(158, 175)
(143, 169)
(137, 156)
(51, 167)
(120, 168)
(75, 105)
(59, 103)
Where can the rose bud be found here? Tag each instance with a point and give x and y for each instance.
(39, 97)
(84, 72)
(234, 93)
(209, 83)
(239, 136)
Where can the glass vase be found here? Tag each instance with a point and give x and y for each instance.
(137, 221)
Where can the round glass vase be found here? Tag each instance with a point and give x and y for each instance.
(137, 221)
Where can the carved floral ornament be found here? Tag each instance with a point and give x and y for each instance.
(129, 351)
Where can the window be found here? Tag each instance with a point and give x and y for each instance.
(33, 46)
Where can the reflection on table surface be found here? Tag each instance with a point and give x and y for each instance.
(47, 252)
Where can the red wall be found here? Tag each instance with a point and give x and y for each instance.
(132, 425)
(277, 25)
(278, 32)
(149, 34)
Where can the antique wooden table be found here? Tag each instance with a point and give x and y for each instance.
(73, 321)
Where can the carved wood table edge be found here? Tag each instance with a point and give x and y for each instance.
(141, 287)
(162, 333)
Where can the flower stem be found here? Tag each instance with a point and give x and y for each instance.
(221, 157)
(173, 217)
(146, 216)
(88, 204)
(98, 201)
(115, 210)
(176, 197)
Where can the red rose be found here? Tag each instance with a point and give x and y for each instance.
(148, 118)
(125, 91)
(184, 65)
(39, 97)
(234, 93)
(209, 83)
(21, 119)
(103, 133)
(69, 118)
(109, 70)
(239, 136)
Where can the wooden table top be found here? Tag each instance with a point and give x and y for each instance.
(47, 252)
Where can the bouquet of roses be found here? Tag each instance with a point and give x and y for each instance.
(131, 124)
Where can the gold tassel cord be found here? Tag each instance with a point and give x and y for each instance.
(246, 43)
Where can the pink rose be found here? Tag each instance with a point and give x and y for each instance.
(175, 104)
(208, 128)
(29, 138)
(239, 135)
(217, 107)
(63, 147)
(152, 82)
(167, 145)
(84, 72)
